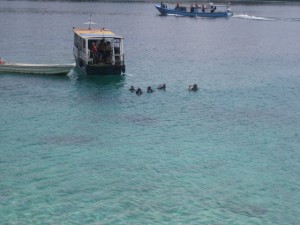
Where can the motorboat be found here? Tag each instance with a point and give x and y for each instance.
(50, 69)
(98, 51)
(195, 10)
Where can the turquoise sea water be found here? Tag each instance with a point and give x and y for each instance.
(85, 150)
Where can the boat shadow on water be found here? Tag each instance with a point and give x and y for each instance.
(95, 80)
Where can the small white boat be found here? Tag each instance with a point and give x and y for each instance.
(50, 69)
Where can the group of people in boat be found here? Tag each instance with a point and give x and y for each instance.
(194, 7)
(101, 52)
(139, 91)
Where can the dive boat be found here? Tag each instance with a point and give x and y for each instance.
(210, 10)
(98, 51)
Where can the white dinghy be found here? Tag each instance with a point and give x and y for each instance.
(50, 69)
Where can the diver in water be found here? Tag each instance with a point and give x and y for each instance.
(193, 87)
(162, 87)
(139, 91)
(149, 89)
(132, 89)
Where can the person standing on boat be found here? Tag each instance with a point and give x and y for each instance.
(107, 53)
(192, 8)
(212, 7)
(94, 51)
(203, 8)
(101, 49)
(163, 5)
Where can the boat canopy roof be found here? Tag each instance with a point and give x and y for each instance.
(87, 33)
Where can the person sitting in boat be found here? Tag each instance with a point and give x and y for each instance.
(203, 8)
(192, 8)
(139, 91)
(228, 9)
(193, 87)
(132, 89)
(107, 53)
(212, 7)
(2, 61)
(162, 87)
(100, 51)
(149, 89)
(163, 5)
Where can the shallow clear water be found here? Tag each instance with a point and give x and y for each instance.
(84, 150)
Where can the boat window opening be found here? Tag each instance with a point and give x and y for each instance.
(102, 52)
(76, 40)
(117, 46)
(90, 53)
(108, 53)
(82, 46)
(117, 51)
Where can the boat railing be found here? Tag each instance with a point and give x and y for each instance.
(118, 59)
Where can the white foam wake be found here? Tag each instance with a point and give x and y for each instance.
(245, 16)
(129, 74)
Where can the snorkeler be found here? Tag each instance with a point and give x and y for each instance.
(162, 87)
(149, 89)
(193, 87)
(139, 91)
(132, 89)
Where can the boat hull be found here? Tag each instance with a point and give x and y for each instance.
(50, 69)
(103, 69)
(165, 11)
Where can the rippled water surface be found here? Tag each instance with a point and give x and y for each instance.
(85, 150)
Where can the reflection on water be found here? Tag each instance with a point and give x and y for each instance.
(76, 75)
